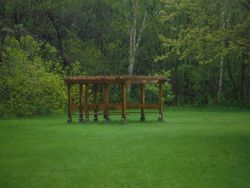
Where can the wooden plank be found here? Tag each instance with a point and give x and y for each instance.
(96, 106)
(115, 79)
(115, 106)
(144, 106)
(127, 77)
(102, 106)
(75, 107)
(142, 81)
(128, 106)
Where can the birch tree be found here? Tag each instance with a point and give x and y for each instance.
(224, 22)
(136, 18)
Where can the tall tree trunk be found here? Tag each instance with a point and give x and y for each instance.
(135, 33)
(59, 36)
(135, 38)
(220, 79)
(223, 27)
(132, 50)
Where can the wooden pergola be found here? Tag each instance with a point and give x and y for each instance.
(84, 107)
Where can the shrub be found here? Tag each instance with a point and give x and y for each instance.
(153, 89)
(27, 86)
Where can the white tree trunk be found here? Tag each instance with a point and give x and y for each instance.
(136, 27)
(135, 34)
(223, 27)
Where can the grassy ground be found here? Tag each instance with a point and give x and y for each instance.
(190, 149)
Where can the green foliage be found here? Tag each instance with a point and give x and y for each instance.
(198, 37)
(91, 61)
(187, 38)
(86, 56)
(167, 88)
(27, 86)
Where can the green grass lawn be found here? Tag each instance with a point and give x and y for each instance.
(189, 149)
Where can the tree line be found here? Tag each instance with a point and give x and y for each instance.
(202, 47)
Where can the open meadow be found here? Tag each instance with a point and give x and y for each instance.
(190, 148)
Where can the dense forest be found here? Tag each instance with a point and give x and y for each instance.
(201, 46)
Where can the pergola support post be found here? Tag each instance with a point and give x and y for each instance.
(160, 102)
(87, 103)
(124, 101)
(106, 102)
(96, 101)
(69, 104)
(81, 103)
(142, 102)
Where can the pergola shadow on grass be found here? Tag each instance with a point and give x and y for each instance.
(100, 86)
(115, 122)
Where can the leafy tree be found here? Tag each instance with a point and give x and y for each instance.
(203, 34)
(29, 84)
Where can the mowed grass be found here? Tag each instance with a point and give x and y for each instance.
(189, 149)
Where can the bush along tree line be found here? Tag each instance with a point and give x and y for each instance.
(201, 46)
